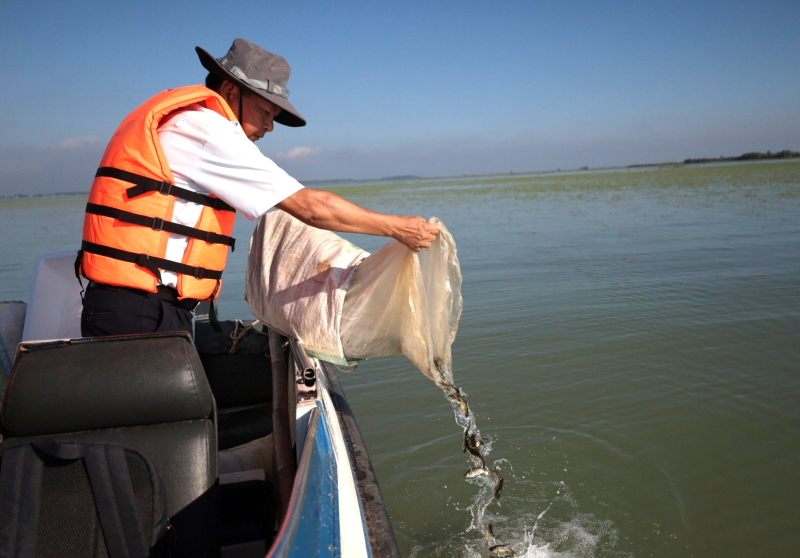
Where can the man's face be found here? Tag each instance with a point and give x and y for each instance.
(259, 115)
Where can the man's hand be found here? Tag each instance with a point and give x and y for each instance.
(414, 232)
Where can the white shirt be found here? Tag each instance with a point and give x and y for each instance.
(211, 155)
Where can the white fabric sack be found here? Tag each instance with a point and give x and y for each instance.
(296, 280)
(345, 305)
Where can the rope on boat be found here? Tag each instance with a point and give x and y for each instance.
(236, 336)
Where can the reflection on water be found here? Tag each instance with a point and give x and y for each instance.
(629, 344)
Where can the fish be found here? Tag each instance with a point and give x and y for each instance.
(477, 455)
(476, 472)
(445, 385)
(488, 532)
(456, 397)
(472, 444)
(501, 550)
(474, 441)
(464, 407)
(498, 484)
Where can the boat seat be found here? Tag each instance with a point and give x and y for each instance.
(148, 392)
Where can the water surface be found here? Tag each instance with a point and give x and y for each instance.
(629, 344)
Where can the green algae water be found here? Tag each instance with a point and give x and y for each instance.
(630, 346)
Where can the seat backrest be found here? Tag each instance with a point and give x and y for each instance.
(64, 498)
(147, 392)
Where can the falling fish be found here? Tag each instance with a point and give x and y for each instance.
(462, 403)
(464, 407)
(488, 532)
(476, 472)
(498, 484)
(500, 550)
(474, 441)
(473, 444)
(476, 455)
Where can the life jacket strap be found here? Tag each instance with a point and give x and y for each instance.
(77, 264)
(145, 185)
(159, 224)
(153, 264)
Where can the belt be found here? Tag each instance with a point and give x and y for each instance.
(165, 293)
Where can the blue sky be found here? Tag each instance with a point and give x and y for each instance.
(424, 88)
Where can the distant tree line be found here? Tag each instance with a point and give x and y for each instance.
(785, 154)
(50, 195)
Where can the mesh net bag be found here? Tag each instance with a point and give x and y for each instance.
(405, 303)
(346, 305)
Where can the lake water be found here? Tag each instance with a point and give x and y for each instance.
(630, 345)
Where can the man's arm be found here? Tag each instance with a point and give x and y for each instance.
(326, 210)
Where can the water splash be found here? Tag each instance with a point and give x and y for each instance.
(538, 517)
(477, 449)
(580, 537)
(583, 536)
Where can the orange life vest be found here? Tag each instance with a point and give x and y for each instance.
(129, 214)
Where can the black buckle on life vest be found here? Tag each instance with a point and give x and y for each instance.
(143, 260)
(214, 238)
(145, 185)
(151, 263)
(158, 224)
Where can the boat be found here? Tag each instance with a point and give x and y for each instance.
(186, 405)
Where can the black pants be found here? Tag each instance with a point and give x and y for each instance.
(111, 311)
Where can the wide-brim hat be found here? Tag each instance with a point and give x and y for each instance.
(261, 72)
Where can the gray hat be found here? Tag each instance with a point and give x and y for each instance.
(265, 74)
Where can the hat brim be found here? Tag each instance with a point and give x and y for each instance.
(288, 116)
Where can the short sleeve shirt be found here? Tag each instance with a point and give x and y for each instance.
(209, 154)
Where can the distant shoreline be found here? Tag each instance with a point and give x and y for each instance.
(752, 156)
(745, 157)
(50, 195)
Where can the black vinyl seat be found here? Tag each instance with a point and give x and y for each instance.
(148, 392)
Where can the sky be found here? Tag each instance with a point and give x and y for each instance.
(413, 88)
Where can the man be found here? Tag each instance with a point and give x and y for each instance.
(163, 202)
